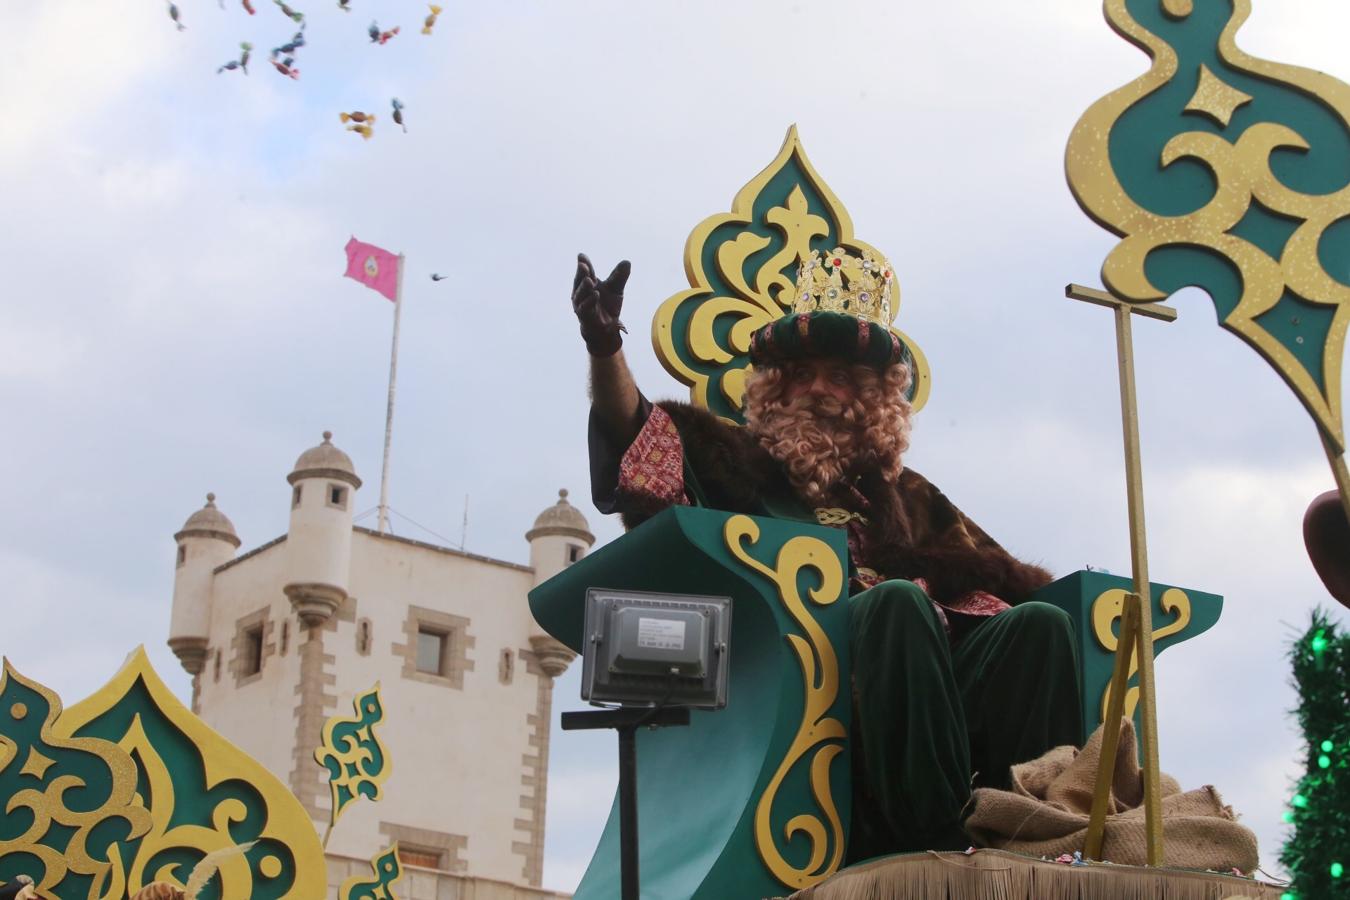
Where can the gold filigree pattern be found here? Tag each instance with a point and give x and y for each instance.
(1108, 607)
(386, 869)
(94, 785)
(819, 736)
(204, 795)
(1244, 184)
(356, 759)
(702, 335)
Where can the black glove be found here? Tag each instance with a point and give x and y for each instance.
(597, 305)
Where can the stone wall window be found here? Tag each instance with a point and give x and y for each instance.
(435, 647)
(431, 651)
(217, 665)
(251, 661)
(506, 666)
(363, 638)
(573, 553)
(253, 643)
(295, 496)
(419, 856)
(337, 495)
(182, 554)
(285, 636)
(427, 849)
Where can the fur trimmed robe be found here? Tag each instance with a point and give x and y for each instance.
(913, 530)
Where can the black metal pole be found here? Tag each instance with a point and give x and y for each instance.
(628, 814)
(626, 721)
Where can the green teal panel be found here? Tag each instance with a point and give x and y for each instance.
(25, 732)
(698, 787)
(1075, 594)
(1142, 131)
(192, 801)
(774, 194)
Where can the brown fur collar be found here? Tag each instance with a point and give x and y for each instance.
(913, 529)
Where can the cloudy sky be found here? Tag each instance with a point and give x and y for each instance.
(175, 320)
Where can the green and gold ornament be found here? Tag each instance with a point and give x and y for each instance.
(1227, 172)
(748, 270)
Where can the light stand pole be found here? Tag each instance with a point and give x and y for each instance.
(627, 720)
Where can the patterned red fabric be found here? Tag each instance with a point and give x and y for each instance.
(978, 603)
(651, 473)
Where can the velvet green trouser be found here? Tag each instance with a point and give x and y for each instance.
(932, 720)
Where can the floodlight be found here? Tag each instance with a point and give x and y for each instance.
(652, 649)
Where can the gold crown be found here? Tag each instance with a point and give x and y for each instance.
(838, 281)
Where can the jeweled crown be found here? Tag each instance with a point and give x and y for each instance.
(838, 281)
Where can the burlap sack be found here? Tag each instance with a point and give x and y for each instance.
(1046, 812)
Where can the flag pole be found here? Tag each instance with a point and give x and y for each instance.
(389, 413)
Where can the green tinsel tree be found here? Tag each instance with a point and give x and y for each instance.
(1317, 854)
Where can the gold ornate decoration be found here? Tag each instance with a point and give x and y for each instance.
(819, 735)
(1107, 608)
(386, 869)
(356, 759)
(742, 267)
(95, 785)
(205, 795)
(836, 517)
(1247, 196)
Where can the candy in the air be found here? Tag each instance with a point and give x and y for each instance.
(364, 130)
(380, 37)
(356, 116)
(241, 63)
(398, 114)
(287, 67)
(173, 14)
(289, 48)
(248, 7)
(430, 21)
(296, 17)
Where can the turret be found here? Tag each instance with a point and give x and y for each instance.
(206, 541)
(319, 542)
(560, 537)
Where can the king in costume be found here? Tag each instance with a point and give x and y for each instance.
(957, 674)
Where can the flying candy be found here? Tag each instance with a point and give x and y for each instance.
(249, 7)
(438, 277)
(398, 114)
(293, 45)
(344, 5)
(363, 130)
(296, 17)
(430, 22)
(173, 14)
(241, 62)
(357, 116)
(287, 67)
(380, 37)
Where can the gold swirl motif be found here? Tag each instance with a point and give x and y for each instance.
(1242, 174)
(356, 759)
(386, 869)
(1107, 608)
(48, 806)
(820, 679)
(765, 298)
(286, 822)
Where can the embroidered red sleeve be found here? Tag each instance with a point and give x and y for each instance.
(978, 603)
(651, 473)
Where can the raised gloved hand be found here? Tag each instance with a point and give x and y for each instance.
(597, 305)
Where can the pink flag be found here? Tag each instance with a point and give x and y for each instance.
(373, 267)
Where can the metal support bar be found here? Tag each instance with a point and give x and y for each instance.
(1126, 644)
(626, 720)
(1134, 491)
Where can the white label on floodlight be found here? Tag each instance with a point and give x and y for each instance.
(661, 634)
